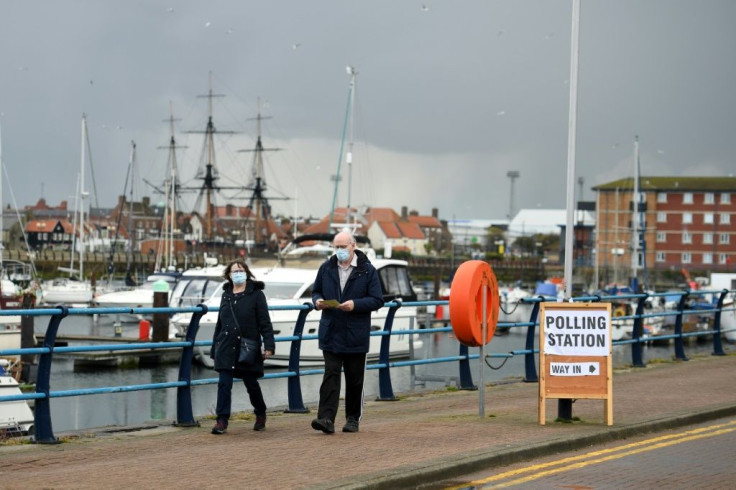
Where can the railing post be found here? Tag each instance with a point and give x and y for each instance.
(636, 355)
(530, 365)
(184, 413)
(717, 346)
(466, 378)
(42, 409)
(296, 403)
(385, 390)
(679, 346)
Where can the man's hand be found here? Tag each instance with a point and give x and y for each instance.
(347, 306)
(319, 304)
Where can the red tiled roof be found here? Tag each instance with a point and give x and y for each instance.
(390, 229)
(426, 221)
(410, 230)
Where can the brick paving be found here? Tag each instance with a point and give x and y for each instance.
(420, 438)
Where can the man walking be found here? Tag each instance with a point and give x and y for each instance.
(347, 290)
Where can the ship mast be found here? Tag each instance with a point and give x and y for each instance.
(258, 183)
(210, 172)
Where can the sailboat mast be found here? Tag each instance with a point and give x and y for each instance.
(353, 78)
(81, 197)
(131, 232)
(351, 71)
(635, 215)
(2, 248)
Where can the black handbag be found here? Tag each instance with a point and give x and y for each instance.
(249, 348)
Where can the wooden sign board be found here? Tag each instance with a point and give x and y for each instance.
(575, 358)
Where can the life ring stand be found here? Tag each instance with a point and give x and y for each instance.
(466, 302)
(619, 311)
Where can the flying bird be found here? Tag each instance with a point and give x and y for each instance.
(501, 113)
(295, 46)
(207, 24)
(170, 10)
(425, 8)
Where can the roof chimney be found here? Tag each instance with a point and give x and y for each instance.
(404, 211)
(435, 213)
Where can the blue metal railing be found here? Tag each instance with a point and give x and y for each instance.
(185, 416)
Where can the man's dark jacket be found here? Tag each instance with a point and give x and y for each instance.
(342, 331)
(252, 315)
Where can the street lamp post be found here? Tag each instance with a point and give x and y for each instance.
(512, 175)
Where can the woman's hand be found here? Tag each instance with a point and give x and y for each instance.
(267, 354)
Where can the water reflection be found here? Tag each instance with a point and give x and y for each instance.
(131, 408)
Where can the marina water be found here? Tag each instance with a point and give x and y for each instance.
(137, 407)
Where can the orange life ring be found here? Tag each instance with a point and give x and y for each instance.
(466, 302)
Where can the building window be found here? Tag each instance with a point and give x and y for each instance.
(725, 198)
(661, 217)
(725, 219)
(708, 218)
(662, 197)
(687, 198)
(710, 198)
(707, 258)
(707, 238)
(724, 239)
(661, 237)
(686, 257)
(687, 237)
(687, 218)
(661, 256)
(722, 259)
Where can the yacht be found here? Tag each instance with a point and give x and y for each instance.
(292, 286)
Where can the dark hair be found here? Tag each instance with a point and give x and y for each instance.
(241, 263)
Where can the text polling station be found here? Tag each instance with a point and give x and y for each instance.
(575, 354)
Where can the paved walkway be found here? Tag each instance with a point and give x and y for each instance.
(418, 439)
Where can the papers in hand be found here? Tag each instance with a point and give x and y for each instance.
(330, 303)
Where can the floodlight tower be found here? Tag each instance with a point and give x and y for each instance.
(512, 175)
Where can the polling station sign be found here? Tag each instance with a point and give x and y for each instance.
(577, 332)
(575, 359)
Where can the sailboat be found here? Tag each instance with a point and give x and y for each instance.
(10, 294)
(74, 289)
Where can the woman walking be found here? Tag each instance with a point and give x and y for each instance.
(243, 315)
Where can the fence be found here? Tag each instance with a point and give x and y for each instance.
(185, 417)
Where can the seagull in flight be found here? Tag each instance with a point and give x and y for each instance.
(295, 46)
(425, 8)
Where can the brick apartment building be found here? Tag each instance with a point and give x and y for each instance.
(688, 223)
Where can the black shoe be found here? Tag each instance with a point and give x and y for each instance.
(352, 425)
(220, 427)
(325, 425)
(260, 423)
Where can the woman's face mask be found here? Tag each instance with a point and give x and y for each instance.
(238, 277)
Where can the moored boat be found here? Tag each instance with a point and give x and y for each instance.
(292, 286)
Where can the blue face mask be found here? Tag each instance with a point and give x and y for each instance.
(238, 277)
(343, 254)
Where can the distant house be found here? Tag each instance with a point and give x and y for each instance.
(56, 234)
(385, 227)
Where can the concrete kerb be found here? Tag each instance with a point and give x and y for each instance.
(413, 475)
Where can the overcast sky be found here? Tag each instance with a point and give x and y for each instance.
(450, 96)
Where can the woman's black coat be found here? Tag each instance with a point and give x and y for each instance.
(252, 315)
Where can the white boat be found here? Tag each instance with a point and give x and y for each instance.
(291, 286)
(66, 290)
(74, 290)
(16, 417)
(728, 319)
(141, 297)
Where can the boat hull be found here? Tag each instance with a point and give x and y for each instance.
(284, 321)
